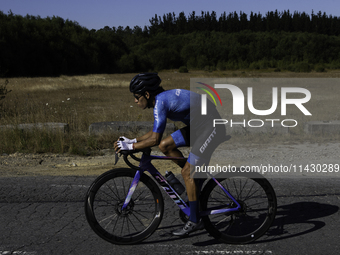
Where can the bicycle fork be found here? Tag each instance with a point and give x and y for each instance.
(131, 189)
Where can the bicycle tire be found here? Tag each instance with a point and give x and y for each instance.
(258, 208)
(104, 200)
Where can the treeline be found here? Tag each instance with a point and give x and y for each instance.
(273, 21)
(35, 46)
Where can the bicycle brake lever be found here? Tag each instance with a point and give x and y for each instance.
(116, 154)
(116, 158)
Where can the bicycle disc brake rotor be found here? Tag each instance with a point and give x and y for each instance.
(124, 212)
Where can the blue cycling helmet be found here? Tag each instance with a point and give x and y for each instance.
(144, 82)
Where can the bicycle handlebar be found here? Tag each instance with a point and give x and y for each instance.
(145, 151)
(126, 153)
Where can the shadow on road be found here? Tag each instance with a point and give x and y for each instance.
(293, 220)
(299, 219)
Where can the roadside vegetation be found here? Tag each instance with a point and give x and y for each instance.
(82, 100)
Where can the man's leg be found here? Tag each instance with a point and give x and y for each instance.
(194, 220)
(191, 192)
(189, 182)
(169, 148)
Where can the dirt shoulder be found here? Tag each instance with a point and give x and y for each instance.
(19, 164)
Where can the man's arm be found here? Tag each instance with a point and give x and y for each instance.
(149, 140)
(144, 137)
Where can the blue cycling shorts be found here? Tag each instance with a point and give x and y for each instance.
(204, 142)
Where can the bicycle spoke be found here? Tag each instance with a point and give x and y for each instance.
(223, 220)
(128, 225)
(133, 224)
(235, 188)
(103, 220)
(111, 197)
(220, 192)
(142, 214)
(138, 219)
(136, 199)
(252, 194)
(115, 186)
(114, 227)
(244, 186)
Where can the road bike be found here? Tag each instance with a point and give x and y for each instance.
(126, 206)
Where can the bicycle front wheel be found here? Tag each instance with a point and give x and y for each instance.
(104, 201)
(258, 208)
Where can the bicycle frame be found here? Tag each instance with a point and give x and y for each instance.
(146, 165)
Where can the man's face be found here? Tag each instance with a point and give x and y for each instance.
(141, 100)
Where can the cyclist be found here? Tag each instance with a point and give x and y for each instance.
(177, 105)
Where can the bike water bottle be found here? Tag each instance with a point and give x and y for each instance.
(174, 182)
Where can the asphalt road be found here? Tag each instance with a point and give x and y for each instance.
(45, 215)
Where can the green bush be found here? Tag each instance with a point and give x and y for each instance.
(35, 140)
(334, 65)
(302, 67)
(221, 65)
(183, 69)
(254, 65)
(209, 68)
(3, 92)
(264, 64)
(320, 69)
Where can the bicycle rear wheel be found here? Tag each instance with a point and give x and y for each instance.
(258, 208)
(103, 207)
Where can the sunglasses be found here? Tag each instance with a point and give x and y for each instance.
(137, 97)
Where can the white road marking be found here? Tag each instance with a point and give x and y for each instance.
(18, 252)
(71, 185)
(213, 250)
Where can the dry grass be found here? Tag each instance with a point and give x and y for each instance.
(82, 100)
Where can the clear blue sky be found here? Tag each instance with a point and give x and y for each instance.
(113, 13)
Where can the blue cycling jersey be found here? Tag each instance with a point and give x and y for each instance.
(177, 105)
(184, 105)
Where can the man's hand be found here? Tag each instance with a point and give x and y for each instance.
(127, 140)
(124, 146)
